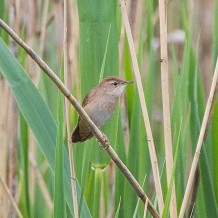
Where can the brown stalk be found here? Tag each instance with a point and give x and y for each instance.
(4, 136)
(135, 10)
(204, 127)
(93, 128)
(67, 107)
(12, 115)
(151, 146)
(166, 103)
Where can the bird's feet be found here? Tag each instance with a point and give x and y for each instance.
(69, 140)
(106, 142)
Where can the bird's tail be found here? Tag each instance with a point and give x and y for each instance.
(77, 137)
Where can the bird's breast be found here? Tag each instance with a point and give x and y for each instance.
(101, 111)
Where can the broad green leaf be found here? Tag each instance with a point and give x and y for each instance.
(98, 57)
(37, 116)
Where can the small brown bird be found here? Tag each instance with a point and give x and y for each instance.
(99, 104)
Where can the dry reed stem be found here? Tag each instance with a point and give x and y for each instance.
(4, 136)
(151, 146)
(67, 106)
(7, 191)
(145, 209)
(12, 116)
(166, 103)
(204, 126)
(74, 18)
(93, 128)
(135, 12)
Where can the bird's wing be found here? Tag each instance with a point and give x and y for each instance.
(89, 97)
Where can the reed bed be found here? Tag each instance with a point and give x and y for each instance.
(162, 158)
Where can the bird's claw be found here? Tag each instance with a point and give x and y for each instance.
(105, 142)
(69, 140)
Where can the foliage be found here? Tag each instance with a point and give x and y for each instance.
(101, 188)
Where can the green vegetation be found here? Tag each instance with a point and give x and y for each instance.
(34, 153)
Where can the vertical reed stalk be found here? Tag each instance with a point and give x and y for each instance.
(4, 136)
(152, 151)
(12, 120)
(67, 106)
(166, 103)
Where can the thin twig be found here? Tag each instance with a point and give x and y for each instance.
(93, 128)
(166, 103)
(205, 124)
(151, 146)
(7, 191)
(67, 106)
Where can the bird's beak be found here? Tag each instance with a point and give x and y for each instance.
(129, 82)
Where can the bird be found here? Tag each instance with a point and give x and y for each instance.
(100, 104)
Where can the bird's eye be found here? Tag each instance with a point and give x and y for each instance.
(115, 83)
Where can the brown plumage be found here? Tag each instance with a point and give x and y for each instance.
(99, 104)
